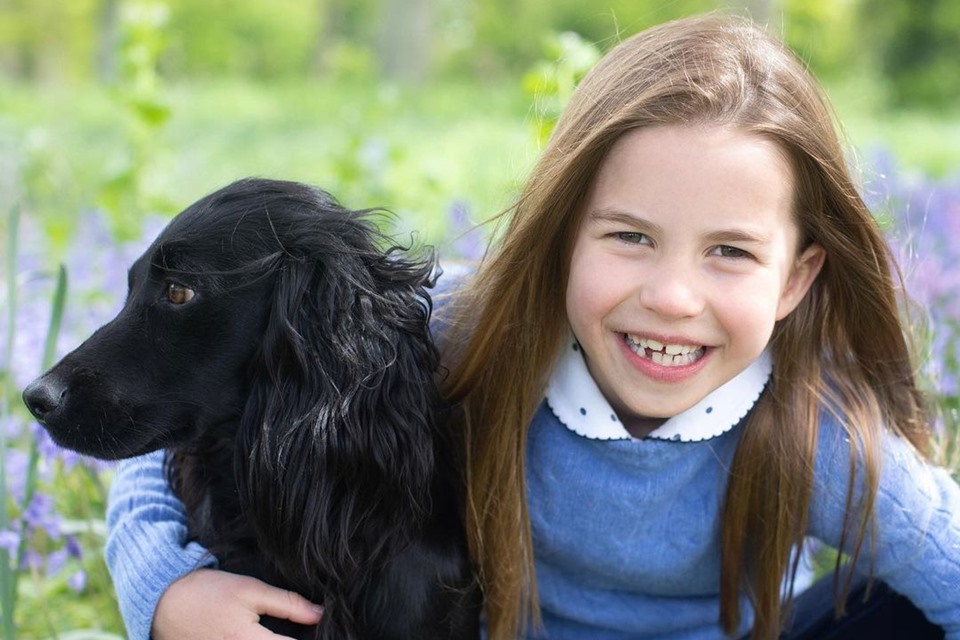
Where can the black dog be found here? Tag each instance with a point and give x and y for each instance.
(280, 353)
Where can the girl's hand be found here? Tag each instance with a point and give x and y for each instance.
(207, 604)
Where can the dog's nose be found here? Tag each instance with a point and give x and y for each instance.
(44, 395)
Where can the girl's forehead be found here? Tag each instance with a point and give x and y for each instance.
(704, 174)
(665, 140)
(699, 151)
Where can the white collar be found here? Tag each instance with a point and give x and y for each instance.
(575, 399)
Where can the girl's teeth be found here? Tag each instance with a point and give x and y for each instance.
(670, 355)
(673, 361)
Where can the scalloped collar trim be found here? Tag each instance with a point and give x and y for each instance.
(575, 399)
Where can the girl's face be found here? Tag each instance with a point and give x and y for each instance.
(686, 256)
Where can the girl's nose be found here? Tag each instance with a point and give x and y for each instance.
(672, 291)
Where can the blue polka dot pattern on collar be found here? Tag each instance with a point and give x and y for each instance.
(575, 399)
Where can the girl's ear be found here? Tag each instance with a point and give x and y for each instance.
(805, 270)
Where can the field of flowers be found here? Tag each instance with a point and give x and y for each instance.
(52, 579)
(924, 228)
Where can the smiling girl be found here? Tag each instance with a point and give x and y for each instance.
(685, 258)
(682, 360)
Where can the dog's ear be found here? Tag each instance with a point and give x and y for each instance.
(337, 439)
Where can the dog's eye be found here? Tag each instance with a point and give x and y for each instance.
(179, 294)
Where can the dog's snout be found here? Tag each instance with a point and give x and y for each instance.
(43, 396)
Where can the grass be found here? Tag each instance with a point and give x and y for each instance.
(411, 150)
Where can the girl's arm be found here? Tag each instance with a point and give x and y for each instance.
(153, 569)
(916, 546)
(147, 546)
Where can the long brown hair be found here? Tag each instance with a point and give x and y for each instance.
(843, 348)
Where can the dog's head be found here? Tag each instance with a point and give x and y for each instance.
(263, 283)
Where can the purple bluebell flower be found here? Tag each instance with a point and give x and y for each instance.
(72, 546)
(925, 216)
(10, 540)
(40, 514)
(15, 466)
(77, 581)
(12, 427)
(50, 450)
(465, 240)
(55, 562)
(32, 561)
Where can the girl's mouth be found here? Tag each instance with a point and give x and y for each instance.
(665, 355)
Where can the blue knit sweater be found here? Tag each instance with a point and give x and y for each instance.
(626, 531)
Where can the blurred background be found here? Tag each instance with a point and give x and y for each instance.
(115, 114)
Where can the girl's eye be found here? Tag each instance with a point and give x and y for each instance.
(179, 294)
(632, 237)
(725, 251)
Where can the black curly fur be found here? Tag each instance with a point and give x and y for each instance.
(295, 396)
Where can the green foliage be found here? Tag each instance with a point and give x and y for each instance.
(551, 82)
(37, 561)
(14, 524)
(915, 44)
(496, 24)
(912, 44)
(258, 39)
(48, 38)
(819, 31)
(139, 98)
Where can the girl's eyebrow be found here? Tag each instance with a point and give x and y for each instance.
(736, 235)
(616, 216)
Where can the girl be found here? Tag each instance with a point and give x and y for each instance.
(681, 360)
